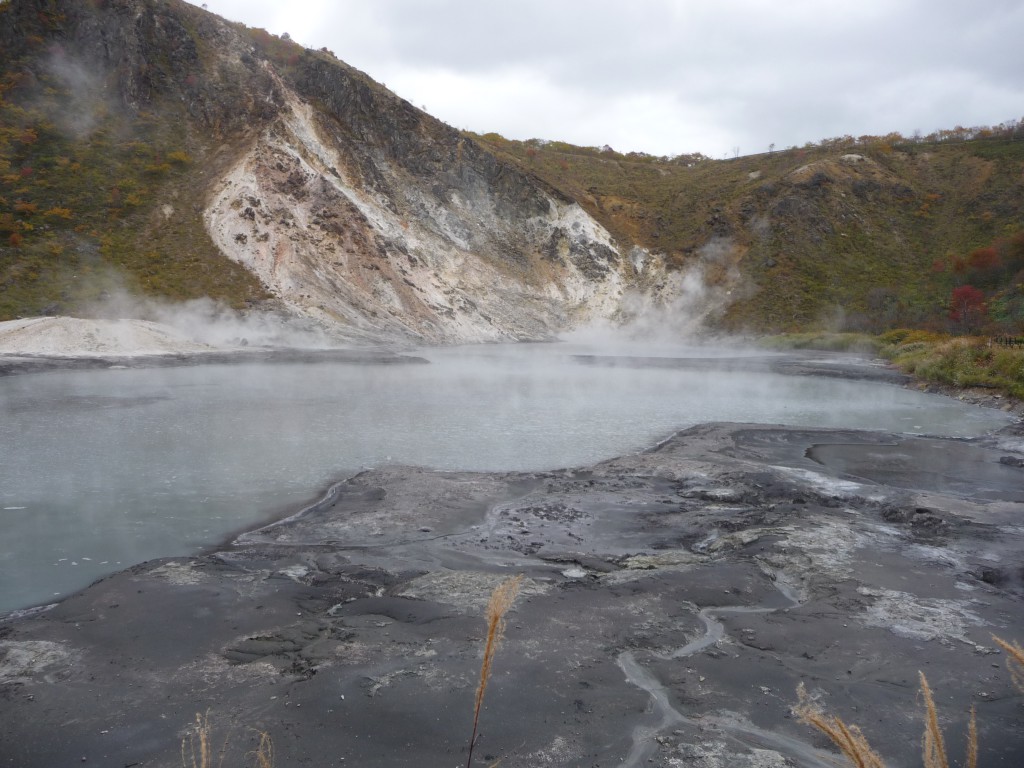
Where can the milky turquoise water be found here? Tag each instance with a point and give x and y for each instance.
(103, 469)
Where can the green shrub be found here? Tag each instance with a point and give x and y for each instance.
(962, 362)
(822, 340)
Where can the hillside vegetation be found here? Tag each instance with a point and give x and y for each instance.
(975, 362)
(119, 118)
(859, 234)
(86, 155)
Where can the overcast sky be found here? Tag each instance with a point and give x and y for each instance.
(674, 76)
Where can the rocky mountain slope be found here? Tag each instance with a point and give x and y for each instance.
(868, 233)
(153, 148)
(349, 205)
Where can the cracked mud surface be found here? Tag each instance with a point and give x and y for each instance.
(673, 601)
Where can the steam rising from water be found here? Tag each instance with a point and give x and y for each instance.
(218, 325)
(681, 309)
(214, 323)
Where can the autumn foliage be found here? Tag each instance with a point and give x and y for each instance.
(967, 306)
(987, 291)
(984, 259)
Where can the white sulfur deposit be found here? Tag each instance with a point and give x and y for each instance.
(77, 337)
(396, 258)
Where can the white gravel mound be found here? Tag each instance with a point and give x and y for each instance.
(77, 337)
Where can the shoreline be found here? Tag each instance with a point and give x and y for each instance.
(797, 362)
(983, 398)
(352, 628)
(704, 576)
(12, 365)
(790, 363)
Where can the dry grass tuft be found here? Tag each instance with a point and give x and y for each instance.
(264, 753)
(933, 749)
(1014, 660)
(848, 738)
(854, 744)
(197, 745)
(501, 600)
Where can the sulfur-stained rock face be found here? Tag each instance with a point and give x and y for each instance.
(412, 231)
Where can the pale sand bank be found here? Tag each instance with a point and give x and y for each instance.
(79, 337)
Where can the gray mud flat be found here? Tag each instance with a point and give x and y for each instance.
(673, 601)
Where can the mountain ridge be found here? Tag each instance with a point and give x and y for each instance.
(149, 146)
(863, 234)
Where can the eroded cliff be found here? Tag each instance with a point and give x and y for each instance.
(350, 206)
(408, 230)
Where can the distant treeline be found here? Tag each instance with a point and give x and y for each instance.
(1012, 130)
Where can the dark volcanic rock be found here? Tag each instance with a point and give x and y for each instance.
(152, 49)
(673, 601)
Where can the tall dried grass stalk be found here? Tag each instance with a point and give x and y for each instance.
(501, 600)
(854, 745)
(848, 738)
(1014, 660)
(933, 748)
(972, 741)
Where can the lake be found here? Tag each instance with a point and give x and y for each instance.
(103, 469)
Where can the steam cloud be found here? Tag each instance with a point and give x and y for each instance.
(694, 297)
(211, 322)
(88, 102)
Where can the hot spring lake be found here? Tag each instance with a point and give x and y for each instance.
(103, 469)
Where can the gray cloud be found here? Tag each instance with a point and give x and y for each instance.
(673, 76)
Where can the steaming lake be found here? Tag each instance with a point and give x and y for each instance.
(103, 469)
